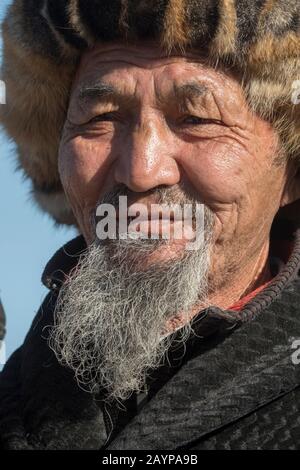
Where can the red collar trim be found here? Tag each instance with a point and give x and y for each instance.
(284, 249)
(242, 302)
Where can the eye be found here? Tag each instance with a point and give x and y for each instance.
(195, 120)
(105, 117)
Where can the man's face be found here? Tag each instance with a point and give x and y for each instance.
(144, 121)
(159, 129)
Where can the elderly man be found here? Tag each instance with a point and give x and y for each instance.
(146, 341)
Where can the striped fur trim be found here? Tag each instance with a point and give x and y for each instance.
(43, 41)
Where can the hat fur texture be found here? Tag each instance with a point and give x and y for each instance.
(44, 39)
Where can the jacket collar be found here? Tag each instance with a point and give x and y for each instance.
(234, 374)
(62, 262)
(230, 379)
(67, 257)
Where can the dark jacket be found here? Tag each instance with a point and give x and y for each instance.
(236, 386)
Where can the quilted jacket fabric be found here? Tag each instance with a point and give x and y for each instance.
(236, 387)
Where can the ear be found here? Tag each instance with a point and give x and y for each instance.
(291, 191)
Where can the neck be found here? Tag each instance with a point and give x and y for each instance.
(235, 286)
(248, 277)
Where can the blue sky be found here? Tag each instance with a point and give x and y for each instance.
(28, 239)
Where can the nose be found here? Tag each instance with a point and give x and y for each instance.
(146, 159)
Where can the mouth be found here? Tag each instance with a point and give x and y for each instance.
(156, 226)
(149, 220)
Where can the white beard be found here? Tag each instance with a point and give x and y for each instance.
(110, 317)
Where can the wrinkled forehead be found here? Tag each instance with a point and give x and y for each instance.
(129, 66)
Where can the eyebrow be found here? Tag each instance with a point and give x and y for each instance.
(103, 91)
(181, 95)
(97, 90)
(189, 90)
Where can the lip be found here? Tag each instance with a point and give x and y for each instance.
(164, 228)
(151, 217)
(158, 224)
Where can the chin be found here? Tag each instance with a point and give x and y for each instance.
(161, 255)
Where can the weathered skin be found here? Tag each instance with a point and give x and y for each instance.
(142, 138)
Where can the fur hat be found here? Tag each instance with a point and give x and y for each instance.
(43, 40)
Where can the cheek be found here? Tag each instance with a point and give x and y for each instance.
(83, 164)
(231, 180)
(219, 172)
